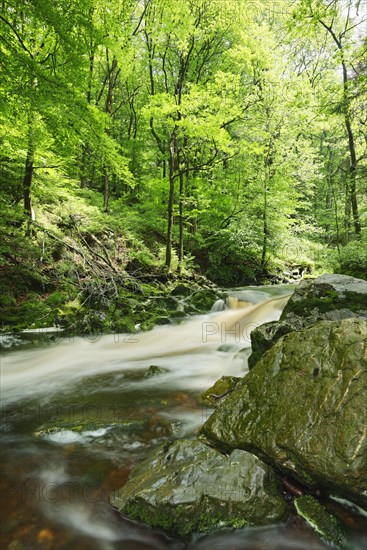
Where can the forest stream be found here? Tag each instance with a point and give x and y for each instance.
(78, 413)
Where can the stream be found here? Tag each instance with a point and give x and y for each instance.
(79, 413)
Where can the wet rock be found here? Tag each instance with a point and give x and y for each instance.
(325, 524)
(163, 303)
(186, 487)
(329, 297)
(181, 290)
(264, 337)
(203, 300)
(220, 390)
(303, 408)
(163, 321)
(155, 370)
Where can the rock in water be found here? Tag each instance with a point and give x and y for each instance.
(155, 370)
(326, 525)
(187, 487)
(329, 297)
(303, 408)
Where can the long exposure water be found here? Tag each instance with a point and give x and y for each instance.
(79, 413)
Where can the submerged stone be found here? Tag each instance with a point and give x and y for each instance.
(155, 370)
(303, 408)
(187, 487)
(325, 524)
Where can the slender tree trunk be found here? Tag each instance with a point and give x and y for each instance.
(328, 205)
(265, 226)
(347, 213)
(329, 191)
(28, 173)
(106, 189)
(83, 167)
(172, 162)
(336, 214)
(85, 147)
(352, 187)
(181, 220)
(269, 173)
(108, 109)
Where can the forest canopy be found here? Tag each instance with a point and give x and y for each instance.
(166, 137)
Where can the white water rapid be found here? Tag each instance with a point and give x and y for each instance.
(195, 350)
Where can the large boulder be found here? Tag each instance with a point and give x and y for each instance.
(187, 487)
(303, 408)
(329, 297)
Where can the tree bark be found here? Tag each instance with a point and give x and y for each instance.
(265, 225)
(106, 189)
(172, 162)
(112, 77)
(28, 174)
(181, 221)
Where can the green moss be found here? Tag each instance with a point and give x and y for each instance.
(183, 522)
(222, 387)
(155, 370)
(326, 300)
(326, 525)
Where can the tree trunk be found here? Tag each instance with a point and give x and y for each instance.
(106, 189)
(347, 212)
(112, 77)
(172, 162)
(181, 220)
(28, 174)
(352, 187)
(265, 226)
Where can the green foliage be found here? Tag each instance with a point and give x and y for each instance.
(232, 260)
(353, 259)
(229, 120)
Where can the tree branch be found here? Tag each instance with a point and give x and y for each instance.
(18, 36)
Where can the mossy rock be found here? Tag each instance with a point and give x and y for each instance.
(203, 300)
(329, 297)
(181, 290)
(186, 488)
(155, 370)
(152, 320)
(302, 409)
(163, 321)
(265, 336)
(177, 315)
(325, 524)
(162, 303)
(220, 390)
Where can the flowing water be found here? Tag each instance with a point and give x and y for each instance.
(79, 413)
